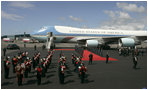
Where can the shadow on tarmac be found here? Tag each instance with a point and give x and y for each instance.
(29, 82)
(88, 81)
(50, 75)
(69, 81)
(6, 83)
(47, 82)
(12, 77)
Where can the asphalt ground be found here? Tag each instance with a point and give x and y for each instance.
(114, 75)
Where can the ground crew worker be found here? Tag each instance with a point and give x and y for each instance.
(120, 51)
(90, 58)
(61, 54)
(39, 74)
(82, 70)
(107, 57)
(142, 52)
(34, 47)
(43, 47)
(4, 50)
(135, 59)
(24, 45)
(6, 67)
(19, 73)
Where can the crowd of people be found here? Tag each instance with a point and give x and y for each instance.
(134, 51)
(78, 64)
(79, 50)
(22, 65)
(79, 67)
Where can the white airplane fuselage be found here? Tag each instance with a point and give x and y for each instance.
(72, 35)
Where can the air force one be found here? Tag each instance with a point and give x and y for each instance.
(89, 37)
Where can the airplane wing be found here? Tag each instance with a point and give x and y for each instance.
(109, 40)
(103, 40)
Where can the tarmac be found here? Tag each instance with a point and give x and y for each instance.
(114, 75)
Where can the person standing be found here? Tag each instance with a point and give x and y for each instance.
(43, 68)
(24, 45)
(6, 67)
(135, 59)
(43, 47)
(34, 47)
(39, 74)
(14, 63)
(26, 69)
(61, 73)
(107, 58)
(19, 73)
(142, 52)
(82, 70)
(29, 61)
(4, 50)
(90, 58)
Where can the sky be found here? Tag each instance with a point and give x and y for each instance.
(18, 17)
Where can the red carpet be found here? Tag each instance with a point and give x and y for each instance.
(95, 57)
(65, 49)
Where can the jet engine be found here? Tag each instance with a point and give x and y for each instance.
(126, 42)
(92, 43)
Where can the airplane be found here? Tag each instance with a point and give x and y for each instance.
(88, 37)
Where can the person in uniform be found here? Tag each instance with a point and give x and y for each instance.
(90, 58)
(24, 45)
(14, 63)
(34, 61)
(72, 58)
(19, 73)
(43, 67)
(107, 57)
(78, 63)
(34, 47)
(39, 74)
(61, 73)
(26, 68)
(4, 50)
(82, 72)
(30, 63)
(135, 59)
(119, 51)
(43, 47)
(6, 67)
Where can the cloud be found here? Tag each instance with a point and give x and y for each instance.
(62, 18)
(13, 17)
(124, 15)
(75, 19)
(110, 13)
(123, 21)
(21, 4)
(117, 14)
(130, 7)
(128, 26)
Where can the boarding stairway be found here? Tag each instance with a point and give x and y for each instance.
(49, 43)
